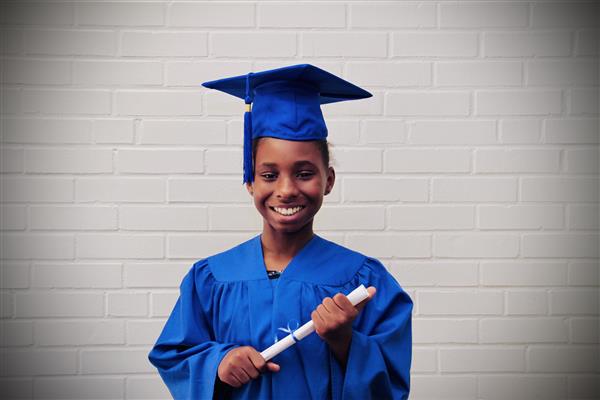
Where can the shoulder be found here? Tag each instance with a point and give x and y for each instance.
(235, 263)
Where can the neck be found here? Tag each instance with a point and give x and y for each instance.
(285, 244)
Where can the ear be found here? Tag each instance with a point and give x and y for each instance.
(250, 188)
(330, 180)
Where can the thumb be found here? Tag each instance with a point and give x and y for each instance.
(272, 367)
(371, 290)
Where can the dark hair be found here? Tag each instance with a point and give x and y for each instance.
(322, 146)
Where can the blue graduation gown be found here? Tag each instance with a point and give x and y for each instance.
(227, 300)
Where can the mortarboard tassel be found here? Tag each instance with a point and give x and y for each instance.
(248, 173)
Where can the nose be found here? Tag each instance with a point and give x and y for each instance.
(286, 187)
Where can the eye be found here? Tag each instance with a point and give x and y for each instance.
(268, 176)
(305, 174)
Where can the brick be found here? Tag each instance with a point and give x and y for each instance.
(344, 44)
(562, 73)
(423, 360)
(59, 304)
(14, 275)
(160, 161)
(352, 109)
(117, 73)
(76, 161)
(573, 301)
(439, 273)
(102, 246)
(80, 275)
(391, 245)
(584, 101)
(192, 73)
(37, 14)
(162, 303)
(522, 387)
(219, 190)
(16, 333)
(234, 218)
(443, 387)
(40, 362)
(301, 15)
(46, 131)
(521, 217)
(144, 388)
(201, 246)
(571, 131)
(12, 101)
(527, 44)
(582, 161)
(582, 273)
(482, 359)
(562, 359)
(223, 161)
(583, 217)
(526, 302)
(478, 73)
(70, 42)
(586, 42)
(583, 386)
(568, 14)
(164, 44)
(12, 41)
(483, 15)
(34, 190)
(518, 330)
(253, 44)
(125, 304)
(560, 245)
(389, 15)
(350, 218)
(435, 330)
(143, 332)
(385, 189)
(430, 103)
(366, 73)
(36, 72)
(488, 245)
(222, 104)
(386, 131)
(119, 361)
(12, 160)
(518, 102)
(67, 101)
(155, 103)
(211, 15)
(360, 160)
(138, 190)
(427, 160)
(520, 131)
(7, 305)
(113, 131)
(155, 275)
(37, 246)
(79, 333)
(453, 132)
(431, 217)
(434, 44)
(78, 388)
(584, 330)
(559, 189)
(124, 14)
(173, 132)
(523, 273)
(163, 218)
(474, 189)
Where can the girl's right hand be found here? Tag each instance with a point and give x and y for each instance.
(242, 364)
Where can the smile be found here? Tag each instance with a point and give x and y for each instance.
(287, 211)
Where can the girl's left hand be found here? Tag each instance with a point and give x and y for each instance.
(333, 318)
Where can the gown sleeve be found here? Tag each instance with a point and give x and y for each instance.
(379, 358)
(186, 353)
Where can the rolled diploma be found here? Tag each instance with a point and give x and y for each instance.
(356, 296)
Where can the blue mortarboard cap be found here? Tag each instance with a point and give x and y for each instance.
(286, 103)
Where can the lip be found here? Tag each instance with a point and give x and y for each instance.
(302, 207)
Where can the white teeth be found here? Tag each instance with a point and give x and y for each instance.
(287, 211)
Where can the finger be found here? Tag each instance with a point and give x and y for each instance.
(329, 304)
(240, 374)
(258, 362)
(344, 304)
(231, 380)
(249, 369)
(271, 366)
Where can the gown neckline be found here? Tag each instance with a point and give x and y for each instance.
(289, 269)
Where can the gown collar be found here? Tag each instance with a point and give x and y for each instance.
(298, 267)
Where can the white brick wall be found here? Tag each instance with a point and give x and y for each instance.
(472, 174)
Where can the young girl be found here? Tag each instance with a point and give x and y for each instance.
(235, 304)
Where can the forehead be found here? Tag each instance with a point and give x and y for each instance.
(280, 151)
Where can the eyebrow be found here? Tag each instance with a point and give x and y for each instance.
(297, 163)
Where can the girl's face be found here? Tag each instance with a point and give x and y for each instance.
(290, 180)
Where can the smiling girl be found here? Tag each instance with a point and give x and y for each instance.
(234, 304)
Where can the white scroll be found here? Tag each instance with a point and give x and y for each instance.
(356, 296)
